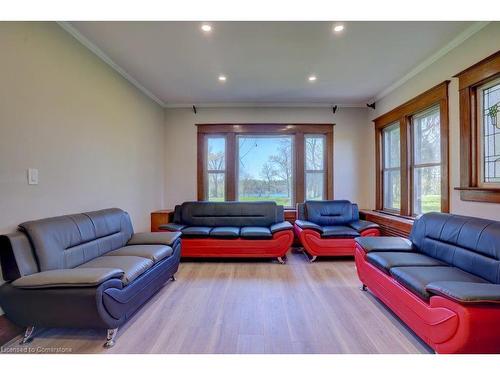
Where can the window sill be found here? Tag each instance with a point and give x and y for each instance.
(479, 194)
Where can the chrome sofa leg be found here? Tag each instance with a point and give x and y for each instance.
(28, 335)
(312, 259)
(282, 260)
(172, 278)
(363, 288)
(110, 338)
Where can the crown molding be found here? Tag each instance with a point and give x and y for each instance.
(99, 53)
(455, 42)
(263, 105)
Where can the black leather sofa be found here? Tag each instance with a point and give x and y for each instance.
(87, 270)
(232, 229)
(444, 282)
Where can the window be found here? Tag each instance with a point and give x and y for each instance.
(315, 171)
(479, 90)
(216, 168)
(265, 169)
(489, 130)
(285, 163)
(426, 161)
(392, 168)
(412, 155)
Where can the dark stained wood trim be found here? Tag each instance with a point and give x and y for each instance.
(284, 128)
(390, 225)
(299, 168)
(417, 104)
(329, 165)
(469, 80)
(230, 167)
(478, 73)
(231, 130)
(402, 115)
(8, 330)
(200, 166)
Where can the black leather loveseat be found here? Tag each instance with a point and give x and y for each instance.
(444, 282)
(87, 270)
(232, 229)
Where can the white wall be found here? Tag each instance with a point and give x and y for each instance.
(96, 140)
(350, 151)
(474, 49)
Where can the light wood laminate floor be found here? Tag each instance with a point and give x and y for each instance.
(252, 307)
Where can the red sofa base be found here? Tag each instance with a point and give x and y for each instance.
(446, 326)
(316, 246)
(237, 248)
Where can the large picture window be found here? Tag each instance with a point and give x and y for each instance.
(285, 163)
(412, 155)
(265, 168)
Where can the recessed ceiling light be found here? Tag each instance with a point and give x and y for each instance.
(338, 28)
(222, 78)
(312, 78)
(206, 27)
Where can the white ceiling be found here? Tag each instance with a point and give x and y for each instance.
(266, 62)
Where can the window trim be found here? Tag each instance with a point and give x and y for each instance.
(324, 171)
(230, 131)
(388, 169)
(437, 95)
(469, 80)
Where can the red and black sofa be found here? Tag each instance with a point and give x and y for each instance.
(232, 230)
(328, 228)
(444, 282)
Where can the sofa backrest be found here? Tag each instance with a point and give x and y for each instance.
(235, 214)
(469, 243)
(68, 241)
(335, 212)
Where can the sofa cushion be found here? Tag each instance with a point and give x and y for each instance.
(386, 260)
(338, 212)
(464, 292)
(71, 278)
(256, 233)
(196, 231)
(339, 231)
(225, 232)
(152, 252)
(384, 244)
(68, 241)
(416, 279)
(240, 214)
(132, 266)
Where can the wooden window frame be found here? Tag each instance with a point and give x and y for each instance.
(437, 95)
(468, 82)
(324, 171)
(230, 131)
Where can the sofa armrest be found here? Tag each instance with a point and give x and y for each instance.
(304, 224)
(172, 227)
(466, 292)
(75, 277)
(362, 225)
(384, 244)
(154, 238)
(278, 227)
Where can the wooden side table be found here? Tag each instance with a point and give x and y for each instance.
(161, 217)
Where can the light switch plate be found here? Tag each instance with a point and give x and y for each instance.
(32, 176)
